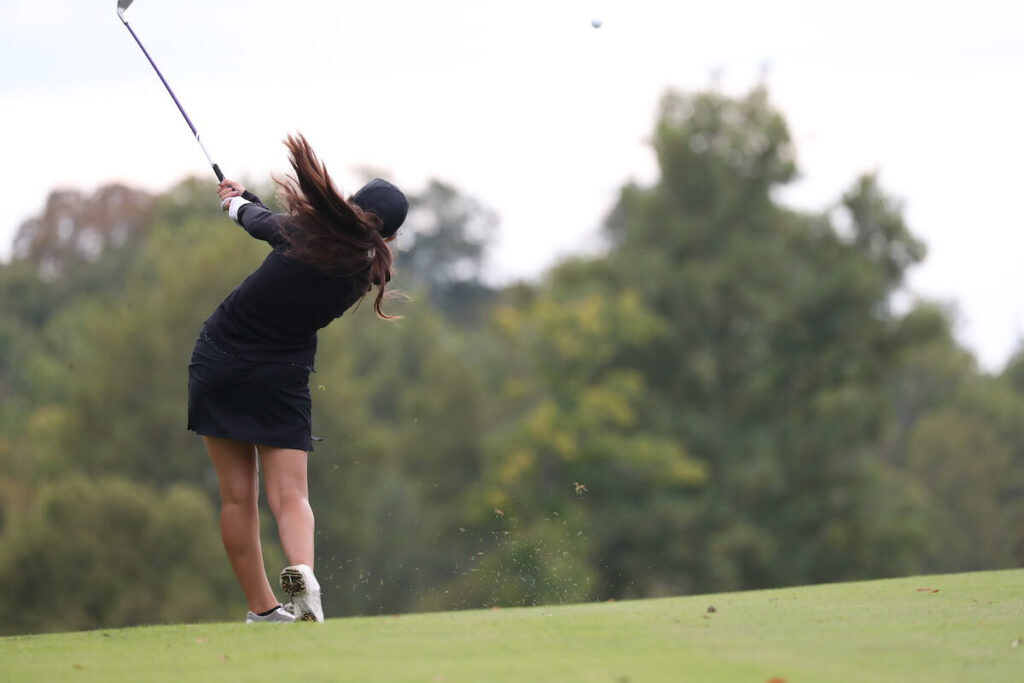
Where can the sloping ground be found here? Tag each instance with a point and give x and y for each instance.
(963, 627)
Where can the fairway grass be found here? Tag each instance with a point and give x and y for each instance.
(938, 628)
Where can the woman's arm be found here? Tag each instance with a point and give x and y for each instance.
(247, 210)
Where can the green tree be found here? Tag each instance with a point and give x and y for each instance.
(593, 504)
(1013, 373)
(442, 249)
(404, 413)
(118, 363)
(726, 398)
(954, 442)
(76, 228)
(775, 335)
(99, 553)
(79, 248)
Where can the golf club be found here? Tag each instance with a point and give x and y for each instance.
(122, 5)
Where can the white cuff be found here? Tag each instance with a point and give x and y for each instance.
(234, 205)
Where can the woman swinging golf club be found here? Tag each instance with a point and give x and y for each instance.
(249, 374)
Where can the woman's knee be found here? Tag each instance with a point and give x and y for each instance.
(284, 498)
(240, 492)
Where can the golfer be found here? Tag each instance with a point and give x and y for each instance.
(248, 380)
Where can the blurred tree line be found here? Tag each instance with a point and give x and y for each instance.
(726, 398)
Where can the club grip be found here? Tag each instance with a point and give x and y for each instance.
(216, 169)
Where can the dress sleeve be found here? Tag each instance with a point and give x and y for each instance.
(259, 221)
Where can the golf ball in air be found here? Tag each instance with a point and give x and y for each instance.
(596, 23)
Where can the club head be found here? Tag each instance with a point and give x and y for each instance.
(122, 5)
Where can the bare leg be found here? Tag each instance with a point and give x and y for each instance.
(284, 475)
(237, 475)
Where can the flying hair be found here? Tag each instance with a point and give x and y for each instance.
(329, 232)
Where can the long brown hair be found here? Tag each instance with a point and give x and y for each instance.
(329, 232)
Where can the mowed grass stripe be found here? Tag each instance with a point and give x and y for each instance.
(938, 628)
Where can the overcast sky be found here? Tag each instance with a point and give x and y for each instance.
(541, 117)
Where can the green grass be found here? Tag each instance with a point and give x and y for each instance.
(871, 631)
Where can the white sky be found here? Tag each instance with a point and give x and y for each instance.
(539, 116)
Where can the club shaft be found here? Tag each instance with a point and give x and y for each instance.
(216, 168)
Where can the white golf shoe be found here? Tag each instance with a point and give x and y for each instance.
(298, 581)
(278, 616)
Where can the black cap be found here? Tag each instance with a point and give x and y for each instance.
(385, 200)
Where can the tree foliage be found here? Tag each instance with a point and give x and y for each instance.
(87, 554)
(726, 398)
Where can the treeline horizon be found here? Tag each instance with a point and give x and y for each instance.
(726, 398)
